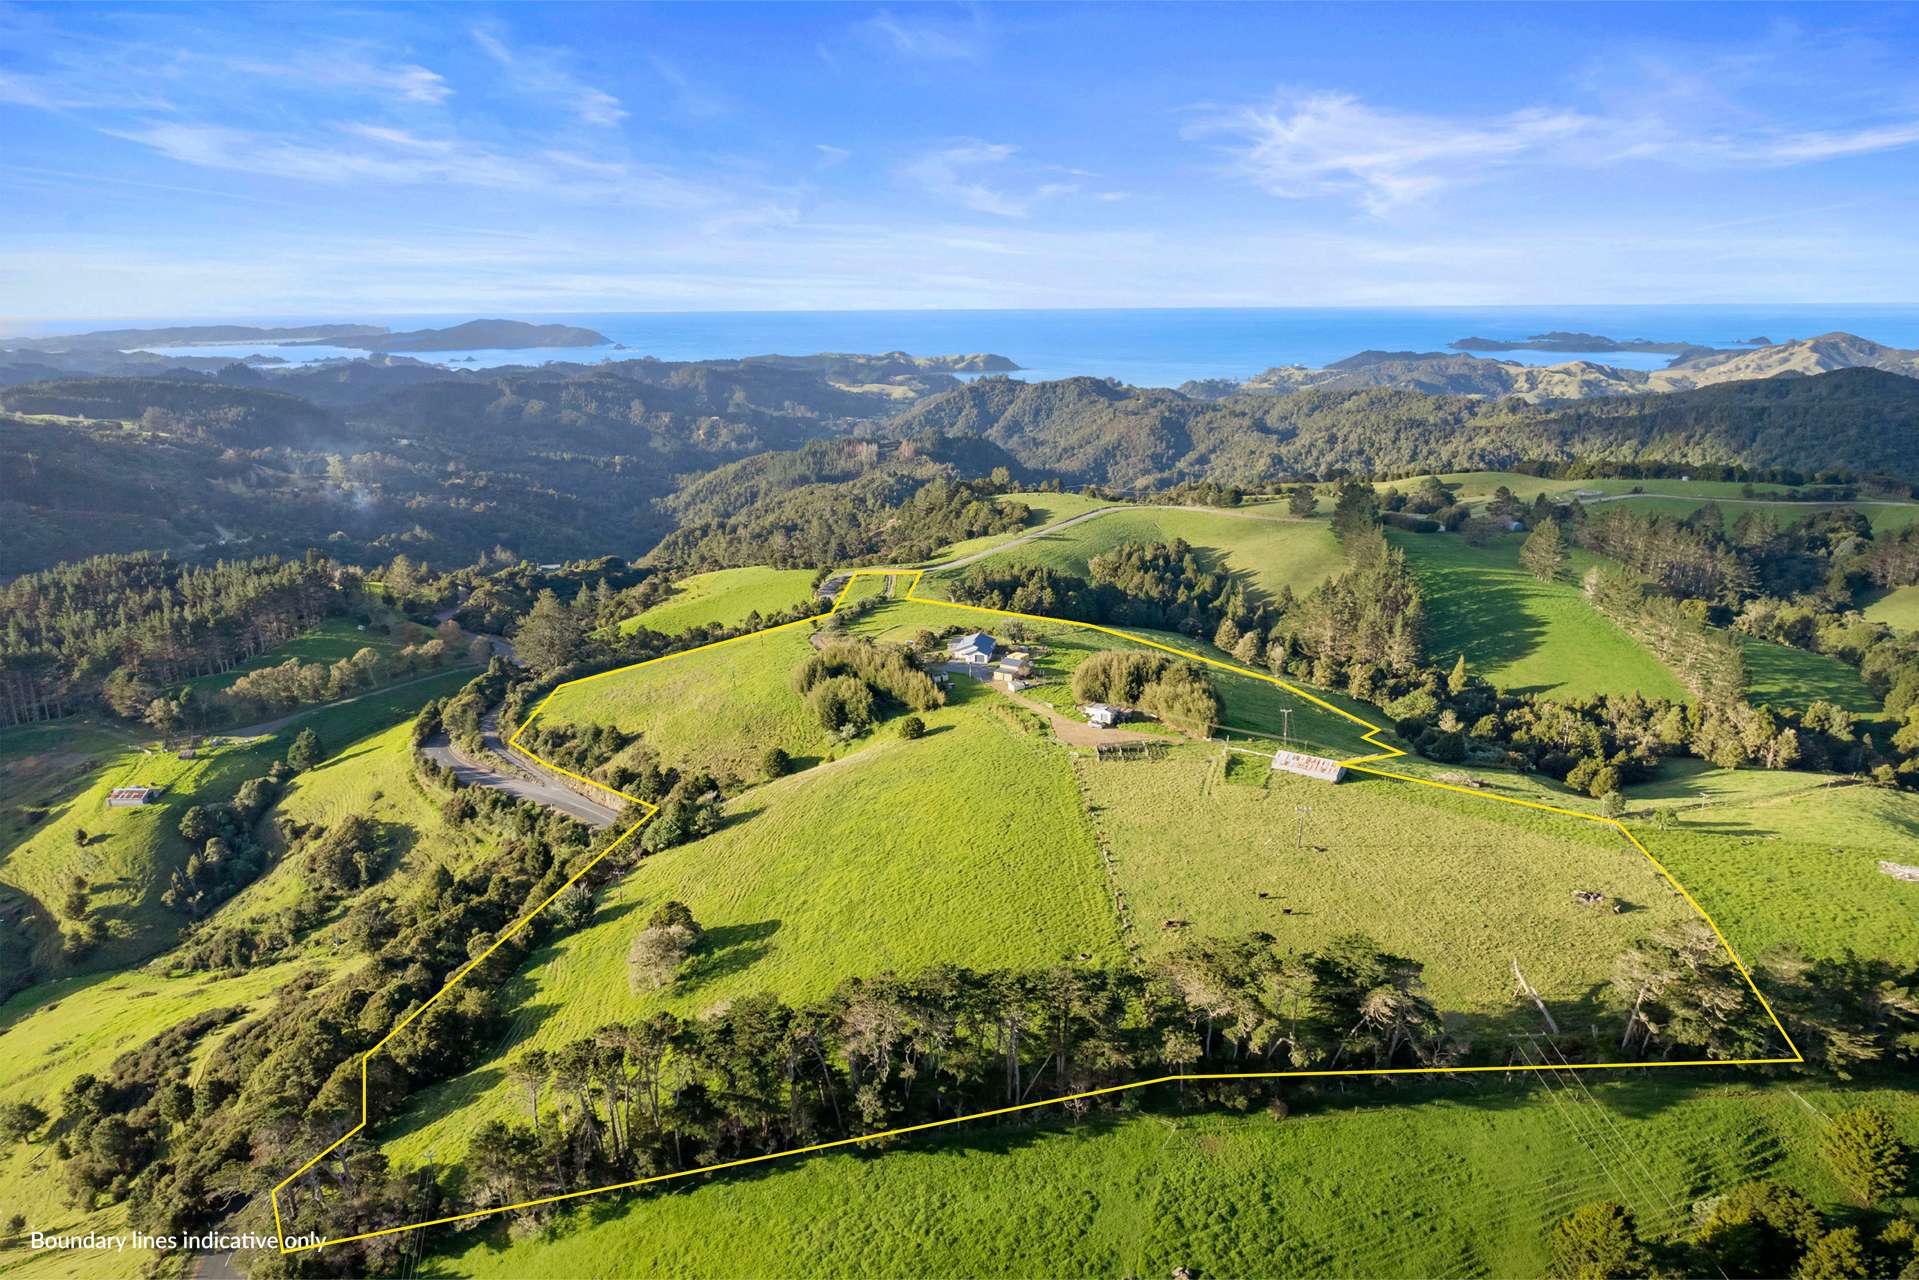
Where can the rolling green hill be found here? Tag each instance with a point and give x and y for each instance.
(967, 846)
(1521, 633)
(1268, 551)
(724, 596)
(1327, 1191)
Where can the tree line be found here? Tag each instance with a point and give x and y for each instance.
(147, 621)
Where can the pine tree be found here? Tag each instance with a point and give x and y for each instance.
(1865, 1151)
(1544, 553)
(1598, 1242)
(1302, 501)
(305, 751)
(549, 638)
(1456, 682)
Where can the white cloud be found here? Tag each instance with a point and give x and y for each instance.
(350, 70)
(831, 155)
(921, 38)
(542, 73)
(951, 174)
(1325, 143)
(361, 152)
(1334, 144)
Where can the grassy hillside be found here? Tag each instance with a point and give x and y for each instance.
(1046, 508)
(718, 708)
(56, 1031)
(725, 596)
(1329, 1191)
(56, 779)
(967, 846)
(1267, 551)
(1254, 706)
(333, 640)
(1521, 633)
(1897, 609)
(1465, 885)
(1788, 858)
(1789, 677)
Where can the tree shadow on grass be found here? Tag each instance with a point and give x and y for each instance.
(727, 949)
(1483, 616)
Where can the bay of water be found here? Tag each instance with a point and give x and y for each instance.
(1149, 347)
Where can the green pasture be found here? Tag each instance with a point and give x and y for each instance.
(57, 782)
(1520, 633)
(718, 707)
(1421, 1181)
(1460, 883)
(966, 846)
(1788, 677)
(725, 596)
(332, 640)
(1267, 551)
(1043, 508)
(1898, 609)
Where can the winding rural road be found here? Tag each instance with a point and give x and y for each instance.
(513, 772)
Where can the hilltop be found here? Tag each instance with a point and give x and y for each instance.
(1453, 373)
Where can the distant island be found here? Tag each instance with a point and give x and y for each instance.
(474, 335)
(192, 335)
(1558, 340)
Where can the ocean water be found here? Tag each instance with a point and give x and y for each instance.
(1151, 347)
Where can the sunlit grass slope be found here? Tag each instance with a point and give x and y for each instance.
(1521, 633)
(1460, 883)
(718, 708)
(1483, 1173)
(131, 852)
(1898, 609)
(1268, 550)
(967, 846)
(724, 596)
(1787, 677)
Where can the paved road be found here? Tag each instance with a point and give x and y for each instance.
(1751, 502)
(519, 776)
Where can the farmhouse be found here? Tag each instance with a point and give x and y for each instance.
(1309, 766)
(975, 647)
(1102, 716)
(127, 797)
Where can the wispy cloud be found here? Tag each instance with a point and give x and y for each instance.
(921, 37)
(543, 73)
(830, 155)
(349, 70)
(1335, 144)
(952, 174)
(373, 153)
(692, 98)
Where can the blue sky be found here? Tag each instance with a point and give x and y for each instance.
(333, 161)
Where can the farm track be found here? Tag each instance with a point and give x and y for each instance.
(960, 562)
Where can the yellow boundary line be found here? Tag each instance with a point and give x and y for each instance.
(1356, 763)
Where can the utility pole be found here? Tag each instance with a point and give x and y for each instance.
(1286, 724)
(1302, 812)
